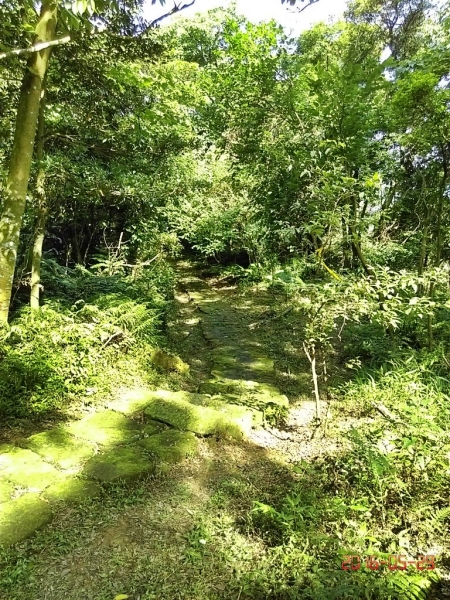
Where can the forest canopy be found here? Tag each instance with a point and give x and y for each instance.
(312, 168)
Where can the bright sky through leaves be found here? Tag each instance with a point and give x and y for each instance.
(263, 10)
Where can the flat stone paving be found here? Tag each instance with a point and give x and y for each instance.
(73, 462)
(240, 364)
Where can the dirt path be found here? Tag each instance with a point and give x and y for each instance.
(182, 532)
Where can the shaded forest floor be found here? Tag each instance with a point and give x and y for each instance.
(189, 534)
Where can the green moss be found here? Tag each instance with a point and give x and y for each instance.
(6, 448)
(108, 428)
(171, 446)
(126, 462)
(6, 490)
(269, 394)
(188, 417)
(20, 518)
(153, 427)
(71, 490)
(130, 403)
(214, 387)
(27, 469)
(230, 405)
(167, 362)
(243, 360)
(59, 447)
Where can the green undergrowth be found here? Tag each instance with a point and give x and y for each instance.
(385, 493)
(91, 333)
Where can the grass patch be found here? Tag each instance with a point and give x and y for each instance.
(77, 348)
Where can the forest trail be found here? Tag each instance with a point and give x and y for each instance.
(149, 539)
(242, 372)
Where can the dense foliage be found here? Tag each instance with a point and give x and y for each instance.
(318, 164)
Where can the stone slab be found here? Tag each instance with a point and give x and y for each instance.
(20, 518)
(130, 403)
(108, 428)
(153, 427)
(60, 448)
(71, 490)
(171, 446)
(6, 490)
(125, 462)
(27, 469)
(214, 387)
(186, 416)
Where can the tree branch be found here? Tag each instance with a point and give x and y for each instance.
(68, 38)
(36, 47)
(300, 10)
(176, 8)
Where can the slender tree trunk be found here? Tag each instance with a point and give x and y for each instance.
(21, 155)
(355, 236)
(423, 250)
(346, 246)
(438, 236)
(41, 207)
(311, 355)
(385, 207)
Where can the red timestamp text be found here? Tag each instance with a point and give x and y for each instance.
(394, 562)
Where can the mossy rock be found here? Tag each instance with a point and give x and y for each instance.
(268, 394)
(6, 490)
(130, 403)
(107, 428)
(126, 462)
(167, 362)
(4, 448)
(214, 387)
(153, 428)
(71, 490)
(60, 448)
(231, 406)
(171, 446)
(185, 416)
(27, 469)
(20, 518)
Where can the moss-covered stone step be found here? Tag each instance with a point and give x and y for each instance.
(27, 469)
(108, 428)
(6, 490)
(255, 394)
(215, 386)
(231, 406)
(171, 446)
(20, 518)
(123, 462)
(60, 448)
(244, 359)
(71, 490)
(199, 414)
(265, 393)
(131, 402)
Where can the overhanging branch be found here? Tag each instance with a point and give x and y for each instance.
(36, 47)
(176, 8)
(68, 38)
(300, 10)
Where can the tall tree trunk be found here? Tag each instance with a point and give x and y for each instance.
(41, 207)
(346, 245)
(21, 155)
(354, 230)
(439, 242)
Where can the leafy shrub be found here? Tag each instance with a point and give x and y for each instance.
(74, 342)
(206, 211)
(385, 493)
